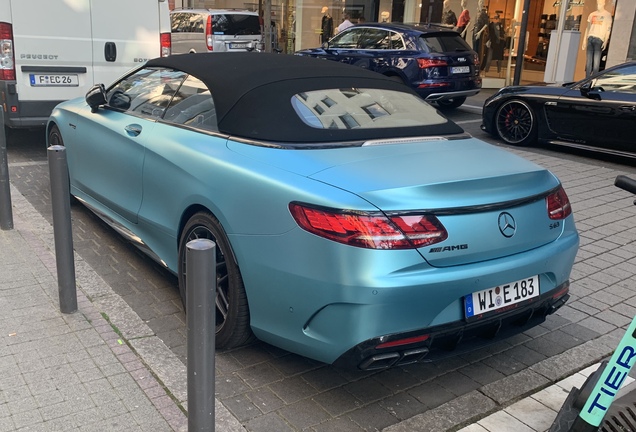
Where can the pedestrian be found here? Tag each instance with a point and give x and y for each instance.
(345, 23)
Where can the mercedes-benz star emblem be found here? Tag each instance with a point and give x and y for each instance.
(507, 225)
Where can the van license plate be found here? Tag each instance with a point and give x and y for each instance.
(54, 80)
(460, 69)
(238, 45)
(501, 297)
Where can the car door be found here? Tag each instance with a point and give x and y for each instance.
(110, 143)
(600, 112)
(345, 47)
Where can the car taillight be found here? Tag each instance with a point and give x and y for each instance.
(208, 34)
(476, 61)
(558, 205)
(166, 44)
(429, 63)
(7, 63)
(370, 230)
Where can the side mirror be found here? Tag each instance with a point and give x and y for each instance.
(96, 97)
(589, 91)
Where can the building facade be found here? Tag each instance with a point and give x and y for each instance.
(554, 36)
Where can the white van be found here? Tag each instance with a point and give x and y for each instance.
(214, 30)
(55, 50)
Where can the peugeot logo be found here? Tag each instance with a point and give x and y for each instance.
(507, 225)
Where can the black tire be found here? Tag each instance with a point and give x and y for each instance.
(232, 311)
(451, 104)
(55, 136)
(516, 123)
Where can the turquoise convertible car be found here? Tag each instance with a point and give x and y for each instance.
(354, 223)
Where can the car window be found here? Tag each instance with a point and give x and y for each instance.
(348, 39)
(380, 39)
(622, 80)
(197, 23)
(145, 93)
(192, 105)
(440, 43)
(354, 108)
(235, 24)
(182, 22)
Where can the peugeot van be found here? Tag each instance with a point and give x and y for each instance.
(214, 30)
(54, 50)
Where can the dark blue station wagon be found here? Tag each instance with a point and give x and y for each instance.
(435, 61)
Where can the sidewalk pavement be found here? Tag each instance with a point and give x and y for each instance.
(78, 371)
(534, 413)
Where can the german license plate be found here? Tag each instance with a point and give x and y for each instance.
(501, 297)
(460, 69)
(238, 45)
(54, 80)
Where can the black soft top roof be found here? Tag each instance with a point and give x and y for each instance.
(252, 94)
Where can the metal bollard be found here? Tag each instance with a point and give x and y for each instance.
(201, 320)
(62, 232)
(6, 212)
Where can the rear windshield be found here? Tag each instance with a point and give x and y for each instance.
(442, 43)
(360, 108)
(235, 24)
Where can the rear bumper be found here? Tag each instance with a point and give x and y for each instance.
(453, 338)
(448, 88)
(21, 114)
(334, 305)
(449, 95)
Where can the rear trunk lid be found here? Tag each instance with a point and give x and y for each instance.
(446, 55)
(235, 31)
(477, 191)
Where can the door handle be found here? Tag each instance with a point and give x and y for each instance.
(110, 51)
(628, 108)
(133, 129)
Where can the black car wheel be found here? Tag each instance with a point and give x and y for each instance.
(232, 311)
(55, 136)
(449, 104)
(515, 123)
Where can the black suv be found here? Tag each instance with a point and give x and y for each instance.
(435, 61)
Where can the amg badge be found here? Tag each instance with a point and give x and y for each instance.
(448, 248)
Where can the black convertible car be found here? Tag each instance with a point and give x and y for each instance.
(597, 113)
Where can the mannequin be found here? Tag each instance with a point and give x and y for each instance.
(496, 43)
(327, 25)
(464, 20)
(599, 25)
(448, 16)
(479, 28)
